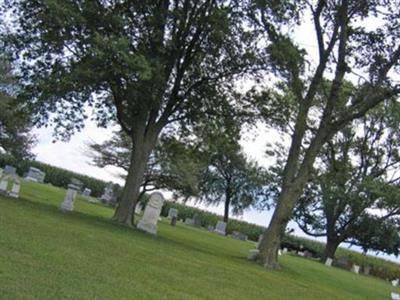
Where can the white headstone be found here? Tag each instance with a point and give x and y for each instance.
(138, 209)
(15, 189)
(285, 250)
(279, 252)
(395, 296)
(151, 213)
(68, 203)
(300, 253)
(253, 254)
(3, 185)
(220, 228)
(329, 262)
(396, 282)
(355, 268)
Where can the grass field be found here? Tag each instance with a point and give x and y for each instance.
(45, 254)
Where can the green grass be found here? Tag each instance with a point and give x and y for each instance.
(45, 254)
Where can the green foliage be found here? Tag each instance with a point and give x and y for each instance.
(54, 175)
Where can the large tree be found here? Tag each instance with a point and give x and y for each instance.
(173, 164)
(143, 63)
(15, 122)
(347, 49)
(229, 176)
(354, 193)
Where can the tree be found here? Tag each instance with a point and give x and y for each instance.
(145, 64)
(15, 123)
(353, 195)
(173, 165)
(229, 177)
(345, 48)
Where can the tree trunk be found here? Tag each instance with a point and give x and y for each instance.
(271, 239)
(142, 147)
(227, 205)
(330, 249)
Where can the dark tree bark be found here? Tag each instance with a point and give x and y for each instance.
(227, 205)
(143, 143)
(330, 248)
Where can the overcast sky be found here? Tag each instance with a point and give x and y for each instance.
(71, 155)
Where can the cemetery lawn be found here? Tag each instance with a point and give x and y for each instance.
(45, 254)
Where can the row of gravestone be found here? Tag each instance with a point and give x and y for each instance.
(220, 227)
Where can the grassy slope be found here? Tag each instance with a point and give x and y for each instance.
(45, 254)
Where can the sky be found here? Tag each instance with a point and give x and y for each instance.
(71, 155)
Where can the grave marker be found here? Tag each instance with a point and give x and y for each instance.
(151, 214)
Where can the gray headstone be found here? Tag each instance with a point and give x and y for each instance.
(138, 209)
(77, 183)
(210, 228)
(108, 194)
(3, 185)
(196, 220)
(239, 236)
(151, 213)
(86, 192)
(220, 228)
(36, 175)
(308, 254)
(172, 212)
(367, 270)
(259, 240)
(253, 254)
(189, 221)
(10, 170)
(343, 262)
(68, 204)
(14, 193)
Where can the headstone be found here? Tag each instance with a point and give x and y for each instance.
(189, 221)
(14, 193)
(173, 221)
(77, 183)
(285, 250)
(3, 185)
(68, 203)
(300, 253)
(210, 228)
(395, 282)
(151, 213)
(108, 194)
(86, 192)
(138, 209)
(253, 254)
(239, 236)
(329, 262)
(395, 296)
(196, 221)
(172, 212)
(308, 254)
(259, 240)
(355, 268)
(279, 252)
(35, 175)
(343, 262)
(10, 170)
(220, 228)
(367, 270)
